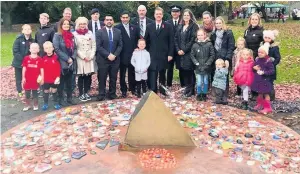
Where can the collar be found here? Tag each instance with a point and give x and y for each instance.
(175, 20)
(158, 23)
(125, 24)
(144, 20)
(109, 29)
(96, 21)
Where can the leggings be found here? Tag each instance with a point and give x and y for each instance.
(28, 94)
(245, 90)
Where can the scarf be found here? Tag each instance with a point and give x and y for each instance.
(82, 32)
(208, 27)
(68, 39)
(218, 43)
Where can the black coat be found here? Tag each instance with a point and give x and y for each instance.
(176, 57)
(43, 34)
(102, 42)
(184, 41)
(90, 26)
(129, 43)
(204, 54)
(227, 47)
(63, 54)
(274, 53)
(253, 37)
(20, 50)
(160, 45)
(136, 22)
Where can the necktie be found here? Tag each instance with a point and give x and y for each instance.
(157, 27)
(110, 40)
(96, 27)
(175, 23)
(142, 28)
(127, 29)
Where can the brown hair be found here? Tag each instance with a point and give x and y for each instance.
(159, 9)
(60, 24)
(192, 16)
(140, 40)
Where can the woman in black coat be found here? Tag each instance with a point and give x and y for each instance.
(184, 38)
(65, 48)
(224, 43)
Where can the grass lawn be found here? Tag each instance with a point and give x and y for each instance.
(289, 38)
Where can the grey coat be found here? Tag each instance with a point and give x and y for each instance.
(203, 53)
(62, 53)
(220, 78)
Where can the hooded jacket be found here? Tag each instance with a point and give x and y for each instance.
(43, 34)
(244, 74)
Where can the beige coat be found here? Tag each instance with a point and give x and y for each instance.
(86, 48)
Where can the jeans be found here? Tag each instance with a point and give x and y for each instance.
(202, 79)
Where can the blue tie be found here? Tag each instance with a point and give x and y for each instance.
(110, 40)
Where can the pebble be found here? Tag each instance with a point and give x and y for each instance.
(93, 152)
(250, 163)
(57, 163)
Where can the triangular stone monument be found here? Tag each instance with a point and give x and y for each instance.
(153, 124)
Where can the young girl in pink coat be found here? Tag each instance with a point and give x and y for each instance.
(243, 74)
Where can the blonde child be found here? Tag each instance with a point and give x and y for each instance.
(141, 62)
(243, 74)
(20, 50)
(262, 84)
(202, 55)
(52, 70)
(32, 76)
(220, 79)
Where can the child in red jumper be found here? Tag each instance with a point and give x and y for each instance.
(51, 75)
(32, 75)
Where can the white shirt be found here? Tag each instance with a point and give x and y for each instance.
(126, 26)
(174, 21)
(144, 25)
(93, 26)
(112, 32)
(158, 24)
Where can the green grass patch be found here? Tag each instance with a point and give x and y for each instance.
(7, 41)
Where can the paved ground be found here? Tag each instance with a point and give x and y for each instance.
(12, 114)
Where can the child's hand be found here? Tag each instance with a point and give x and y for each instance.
(257, 67)
(70, 60)
(226, 63)
(259, 72)
(23, 81)
(42, 82)
(57, 81)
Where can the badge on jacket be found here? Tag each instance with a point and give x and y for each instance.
(253, 35)
(198, 51)
(23, 43)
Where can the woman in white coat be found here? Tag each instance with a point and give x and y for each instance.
(86, 49)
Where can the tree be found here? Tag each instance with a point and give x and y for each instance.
(230, 17)
(7, 8)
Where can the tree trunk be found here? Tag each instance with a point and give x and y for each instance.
(82, 8)
(230, 14)
(263, 11)
(215, 9)
(7, 21)
(7, 8)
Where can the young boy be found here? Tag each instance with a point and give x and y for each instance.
(220, 79)
(141, 62)
(51, 68)
(32, 74)
(20, 50)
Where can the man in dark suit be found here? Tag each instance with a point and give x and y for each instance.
(130, 35)
(142, 21)
(109, 46)
(67, 14)
(175, 12)
(160, 43)
(95, 24)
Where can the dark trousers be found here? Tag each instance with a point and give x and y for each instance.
(18, 77)
(170, 71)
(189, 81)
(152, 79)
(141, 85)
(220, 95)
(181, 77)
(131, 78)
(111, 70)
(65, 81)
(238, 90)
(34, 94)
(84, 83)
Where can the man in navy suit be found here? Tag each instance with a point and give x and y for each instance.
(142, 21)
(175, 12)
(160, 43)
(109, 46)
(130, 35)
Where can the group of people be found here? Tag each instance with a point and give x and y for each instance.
(147, 50)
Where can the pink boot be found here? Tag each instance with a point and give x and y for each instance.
(259, 105)
(267, 107)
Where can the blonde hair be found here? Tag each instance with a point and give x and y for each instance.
(26, 25)
(224, 26)
(34, 44)
(241, 39)
(81, 20)
(47, 43)
(45, 15)
(220, 61)
(247, 50)
(159, 9)
(259, 19)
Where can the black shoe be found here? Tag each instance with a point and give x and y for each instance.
(219, 102)
(100, 98)
(204, 97)
(245, 105)
(124, 95)
(112, 97)
(87, 97)
(139, 95)
(71, 102)
(199, 97)
(188, 95)
(162, 91)
(82, 98)
(224, 103)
